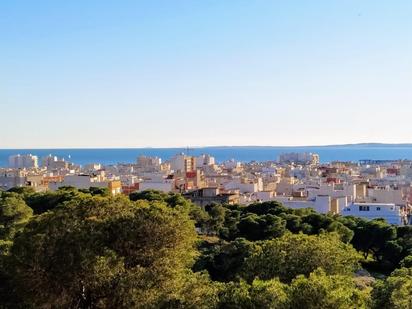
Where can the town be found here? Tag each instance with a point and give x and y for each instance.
(367, 189)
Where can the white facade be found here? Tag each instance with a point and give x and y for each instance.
(301, 157)
(182, 163)
(264, 196)
(129, 180)
(390, 212)
(92, 167)
(177, 163)
(153, 176)
(321, 203)
(47, 161)
(245, 186)
(333, 191)
(167, 185)
(80, 182)
(386, 196)
(148, 162)
(12, 178)
(232, 164)
(204, 160)
(23, 161)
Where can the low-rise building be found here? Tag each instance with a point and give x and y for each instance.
(85, 181)
(208, 196)
(392, 213)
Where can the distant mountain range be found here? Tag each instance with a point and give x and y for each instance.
(369, 145)
(372, 145)
(357, 145)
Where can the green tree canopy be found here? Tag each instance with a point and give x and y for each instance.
(255, 227)
(273, 208)
(103, 252)
(394, 292)
(225, 261)
(97, 191)
(371, 236)
(295, 254)
(322, 291)
(270, 294)
(174, 200)
(14, 214)
(43, 201)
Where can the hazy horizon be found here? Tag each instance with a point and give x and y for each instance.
(154, 74)
(372, 144)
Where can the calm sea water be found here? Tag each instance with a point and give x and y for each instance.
(244, 154)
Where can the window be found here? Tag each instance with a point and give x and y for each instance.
(363, 208)
(378, 208)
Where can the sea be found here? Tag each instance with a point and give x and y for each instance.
(353, 153)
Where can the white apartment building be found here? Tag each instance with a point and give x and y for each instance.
(165, 185)
(92, 167)
(392, 213)
(299, 158)
(332, 190)
(82, 181)
(264, 196)
(204, 160)
(148, 162)
(129, 180)
(183, 163)
(244, 185)
(232, 164)
(12, 178)
(54, 163)
(321, 203)
(386, 196)
(23, 161)
(48, 160)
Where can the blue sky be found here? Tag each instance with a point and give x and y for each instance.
(176, 73)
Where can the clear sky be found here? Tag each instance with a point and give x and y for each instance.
(175, 73)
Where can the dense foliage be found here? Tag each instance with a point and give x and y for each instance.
(85, 249)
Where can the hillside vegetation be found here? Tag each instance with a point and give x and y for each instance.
(85, 249)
